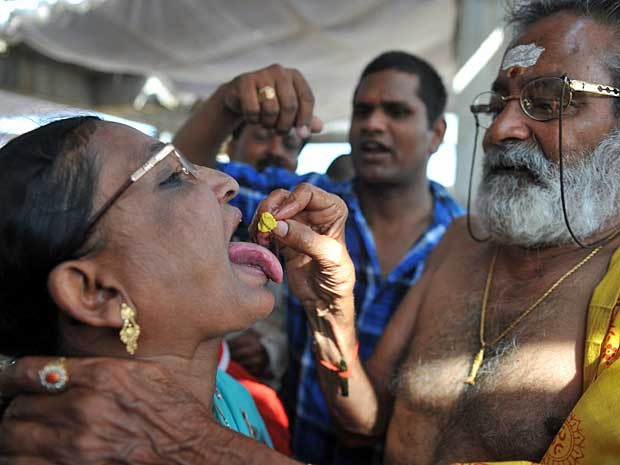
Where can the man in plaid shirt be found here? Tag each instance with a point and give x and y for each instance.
(396, 217)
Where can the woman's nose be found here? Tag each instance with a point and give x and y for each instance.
(224, 186)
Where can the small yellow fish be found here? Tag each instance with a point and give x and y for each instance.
(267, 222)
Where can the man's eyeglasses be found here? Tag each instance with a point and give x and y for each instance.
(540, 99)
(187, 167)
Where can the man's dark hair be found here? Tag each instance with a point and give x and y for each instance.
(47, 184)
(606, 12)
(432, 91)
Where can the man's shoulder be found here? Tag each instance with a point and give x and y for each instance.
(443, 196)
(456, 234)
(457, 231)
(453, 243)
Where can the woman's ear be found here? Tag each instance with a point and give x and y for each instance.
(86, 293)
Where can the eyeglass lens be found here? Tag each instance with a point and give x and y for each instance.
(539, 99)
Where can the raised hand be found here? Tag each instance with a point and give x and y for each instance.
(274, 97)
(310, 235)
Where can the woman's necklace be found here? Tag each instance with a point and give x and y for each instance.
(217, 396)
(475, 366)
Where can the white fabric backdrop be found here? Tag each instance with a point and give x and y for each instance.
(197, 44)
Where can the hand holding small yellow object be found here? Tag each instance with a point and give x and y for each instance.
(267, 222)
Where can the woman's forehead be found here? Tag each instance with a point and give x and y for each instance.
(121, 145)
(119, 150)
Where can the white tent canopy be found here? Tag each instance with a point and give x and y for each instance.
(20, 114)
(194, 45)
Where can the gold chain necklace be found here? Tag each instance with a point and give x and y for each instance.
(475, 366)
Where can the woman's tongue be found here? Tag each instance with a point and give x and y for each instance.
(246, 253)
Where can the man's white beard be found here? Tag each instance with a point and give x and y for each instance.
(524, 208)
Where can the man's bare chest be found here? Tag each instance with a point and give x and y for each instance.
(526, 386)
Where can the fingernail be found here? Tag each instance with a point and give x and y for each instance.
(303, 132)
(281, 229)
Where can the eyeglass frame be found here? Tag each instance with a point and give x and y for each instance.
(186, 166)
(574, 85)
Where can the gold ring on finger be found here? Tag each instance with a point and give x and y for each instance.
(266, 93)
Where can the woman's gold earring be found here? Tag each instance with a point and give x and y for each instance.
(130, 332)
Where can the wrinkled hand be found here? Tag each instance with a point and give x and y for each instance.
(311, 236)
(248, 351)
(112, 411)
(292, 106)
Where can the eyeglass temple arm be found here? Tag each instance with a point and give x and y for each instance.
(486, 108)
(481, 108)
(159, 156)
(583, 86)
(104, 208)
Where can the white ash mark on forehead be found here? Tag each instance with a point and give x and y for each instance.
(523, 56)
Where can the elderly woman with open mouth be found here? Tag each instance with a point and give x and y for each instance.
(114, 244)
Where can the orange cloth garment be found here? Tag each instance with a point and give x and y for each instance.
(267, 401)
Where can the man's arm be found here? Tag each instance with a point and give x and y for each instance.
(202, 135)
(115, 411)
(238, 100)
(321, 274)
(365, 413)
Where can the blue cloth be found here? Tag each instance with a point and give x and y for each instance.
(376, 299)
(234, 408)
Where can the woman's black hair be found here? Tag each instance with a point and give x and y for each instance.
(47, 184)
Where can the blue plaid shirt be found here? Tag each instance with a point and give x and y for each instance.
(376, 299)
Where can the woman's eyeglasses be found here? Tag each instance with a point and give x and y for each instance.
(186, 166)
(540, 99)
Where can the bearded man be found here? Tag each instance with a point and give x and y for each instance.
(508, 342)
(505, 350)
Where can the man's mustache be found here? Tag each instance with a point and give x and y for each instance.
(518, 158)
(268, 160)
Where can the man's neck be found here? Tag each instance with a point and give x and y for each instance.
(394, 204)
(524, 263)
